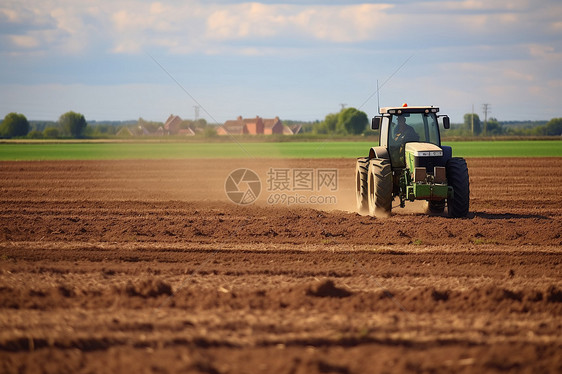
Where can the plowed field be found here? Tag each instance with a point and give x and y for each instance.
(146, 266)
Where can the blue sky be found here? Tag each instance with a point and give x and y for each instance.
(294, 59)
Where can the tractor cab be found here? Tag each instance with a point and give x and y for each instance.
(401, 125)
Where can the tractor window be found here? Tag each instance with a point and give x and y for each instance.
(410, 127)
(414, 127)
(433, 129)
(383, 135)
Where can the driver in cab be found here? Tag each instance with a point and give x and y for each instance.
(404, 133)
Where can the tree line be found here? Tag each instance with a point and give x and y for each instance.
(474, 126)
(70, 125)
(349, 121)
(74, 125)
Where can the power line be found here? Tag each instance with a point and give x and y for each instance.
(383, 83)
(197, 103)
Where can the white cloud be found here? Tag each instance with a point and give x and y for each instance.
(139, 27)
(339, 24)
(55, 26)
(514, 75)
(157, 8)
(480, 6)
(544, 52)
(8, 15)
(130, 26)
(195, 26)
(24, 41)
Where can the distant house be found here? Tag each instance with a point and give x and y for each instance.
(255, 126)
(240, 126)
(186, 132)
(125, 131)
(172, 125)
(252, 126)
(233, 128)
(292, 129)
(141, 130)
(272, 126)
(138, 130)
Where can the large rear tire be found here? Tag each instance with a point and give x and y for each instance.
(379, 187)
(457, 177)
(361, 170)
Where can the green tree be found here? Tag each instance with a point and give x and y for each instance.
(320, 128)
(328, 126)
(210, 132)
(14, 124)
(35, 134)
(494, 127)
(73, 124)
(201, 123)
(100, 130)
(347, 121)
(330, 122)
(351, 121)
(51, 132)
(468, 123)
(554, 127)
(186, 123)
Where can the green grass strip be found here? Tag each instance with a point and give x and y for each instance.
(507, 148)
(177, 150)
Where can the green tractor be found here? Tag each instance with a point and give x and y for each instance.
(410, 163)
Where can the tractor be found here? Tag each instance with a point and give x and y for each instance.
(410, 163)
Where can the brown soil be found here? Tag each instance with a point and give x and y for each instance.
(146, 266)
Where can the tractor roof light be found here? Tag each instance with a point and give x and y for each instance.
(409, 109)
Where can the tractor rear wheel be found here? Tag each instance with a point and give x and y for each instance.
(361, 169)
(457, 177)
(379, 187)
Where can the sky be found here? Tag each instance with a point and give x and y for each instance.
(299, 60)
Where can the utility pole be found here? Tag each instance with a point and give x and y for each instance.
(486, 109)
(342, 106)
(196, 107)
(472, 121)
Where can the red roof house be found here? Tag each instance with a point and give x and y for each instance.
(252, 126)
(272, 126)
(172, 125)
(233, 127)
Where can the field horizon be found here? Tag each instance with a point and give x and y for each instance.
(123, 150)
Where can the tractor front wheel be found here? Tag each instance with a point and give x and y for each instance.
(379, 187)
(457, 177)
(361, 170)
